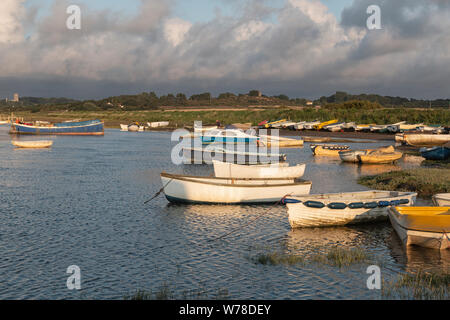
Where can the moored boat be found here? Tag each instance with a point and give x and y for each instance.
(425, 140)
(32, 144)
(436, 153)
(442, 199)
(377, 157)
(190, 189)
(321, 125)
(427, 227)
(91, 127)
(206, 155)
(328, 150)
(279, 170)
(158, 124)
(338, 209)
(354, 155)
(280, 142)
(227, 136)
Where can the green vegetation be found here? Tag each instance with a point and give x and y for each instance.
(165, 292)
(425, 181)
(255, 115)
(419, 286)
(342, 257)
(277, 258)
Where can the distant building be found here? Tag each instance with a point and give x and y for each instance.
(309, 103)
(16, 97)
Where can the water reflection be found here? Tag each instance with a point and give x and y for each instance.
(416, 258)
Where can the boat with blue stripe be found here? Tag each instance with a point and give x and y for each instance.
(228, 136)
(90, 127)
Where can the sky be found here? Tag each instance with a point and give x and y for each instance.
(302, 48)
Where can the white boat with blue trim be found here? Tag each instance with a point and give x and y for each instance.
(339, 209)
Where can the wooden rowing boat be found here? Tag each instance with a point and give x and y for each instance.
(442, 199)
(230, 170)
(32, 144)
(328, 150)
(376, 157)
(426, 140)
(354, 155)
(190, 189)
(280, 142)
(338, 209)
(212, 152)
(427, 227)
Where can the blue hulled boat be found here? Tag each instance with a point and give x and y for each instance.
(436, 153)
(90, 127)
(227, 136)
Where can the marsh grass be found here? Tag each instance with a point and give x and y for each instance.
(342, 257)
(425, 181)
(419, 286)
(167, 292)
(278, 258)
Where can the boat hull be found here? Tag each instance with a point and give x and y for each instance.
(429, 231)
(32, 144)
(442, 199)
(329, 151)
(230, 170)
(184, 189)
(302, 216)
(81, 128)
(436, 153)
(425, 140)
(380, 157)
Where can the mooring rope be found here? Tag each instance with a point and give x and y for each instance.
(159, 192)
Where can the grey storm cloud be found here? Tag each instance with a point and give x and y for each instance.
(300, 49)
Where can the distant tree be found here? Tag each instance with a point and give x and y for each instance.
(254, 93)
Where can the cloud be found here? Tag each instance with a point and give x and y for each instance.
(300, 49)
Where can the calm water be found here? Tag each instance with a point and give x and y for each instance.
(81, 203)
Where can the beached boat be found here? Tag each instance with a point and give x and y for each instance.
(191, 189)
(311, 125)
(274, 124)
(32, 144)
(206, 155)
(299, 125)
(400, 138)
(321, 125)
(279, 170)
(227, 136)
(338, 209)
(2, 122)
(354, 155)
(328, 150)
(364, 127)
(335, 127)
(425, 140)
(200, 129)
(442, 199)
(159, 124)
(436, 153)
(280, 142)
(377, 157)
(427, 227)
(91, 127)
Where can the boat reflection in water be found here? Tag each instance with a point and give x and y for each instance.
(416, 258)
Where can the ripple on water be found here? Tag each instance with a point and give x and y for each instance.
(81, 202)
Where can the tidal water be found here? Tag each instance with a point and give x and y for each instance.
(81, 203)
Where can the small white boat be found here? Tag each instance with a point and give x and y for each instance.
(159, 124)
(280, 142)
(212, 152)
(426, 140)
(442, 199)
(198, 129)
(4, 122)
(132, 128)
(336, 127)
(32, 144)
(230, 170)
(227, 136)
(338, 209)
(311, 125)
(189, 189)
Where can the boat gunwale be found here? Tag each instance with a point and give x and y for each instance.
(192, 179)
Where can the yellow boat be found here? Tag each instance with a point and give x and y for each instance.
(270, 124)
(376, 157)
(428, 227)
(328, 150)
(323, 124)
(280, 142)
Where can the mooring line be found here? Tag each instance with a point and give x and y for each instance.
(159, 192)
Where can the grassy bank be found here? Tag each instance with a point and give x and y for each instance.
(179, 118)
(425, 181)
